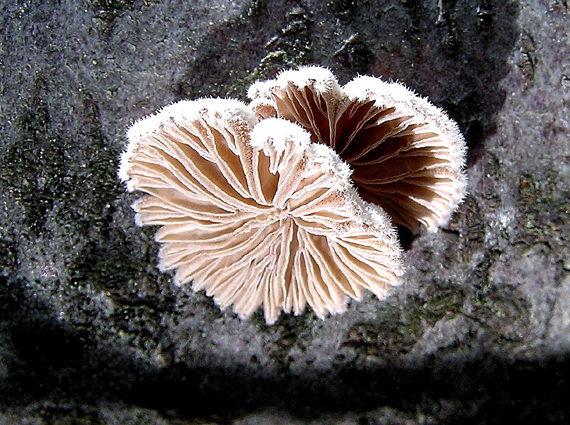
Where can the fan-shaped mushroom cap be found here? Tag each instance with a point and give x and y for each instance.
(406, 155)
(254, 213)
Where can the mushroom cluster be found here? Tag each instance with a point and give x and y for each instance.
(291, 200)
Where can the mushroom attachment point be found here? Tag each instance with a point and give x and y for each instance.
(291, 200)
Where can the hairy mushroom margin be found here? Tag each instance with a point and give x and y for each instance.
(290, 200)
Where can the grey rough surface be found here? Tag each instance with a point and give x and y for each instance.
(90, 332)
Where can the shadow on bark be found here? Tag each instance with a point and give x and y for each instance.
(68, 366)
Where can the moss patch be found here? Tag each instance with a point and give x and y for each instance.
(401, 326)
(544, 209)
(41, 171)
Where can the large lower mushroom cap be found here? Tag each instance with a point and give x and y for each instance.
(254, 213)
(406, 154)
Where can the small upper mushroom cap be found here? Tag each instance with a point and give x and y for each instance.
(407, 156)
(254, 213)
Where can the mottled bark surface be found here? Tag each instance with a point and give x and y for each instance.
(91, 332)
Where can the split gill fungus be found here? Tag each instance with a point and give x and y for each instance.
(292, 199)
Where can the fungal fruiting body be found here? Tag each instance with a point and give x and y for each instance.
(254, 213)
(407, 156)
(290, 200)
